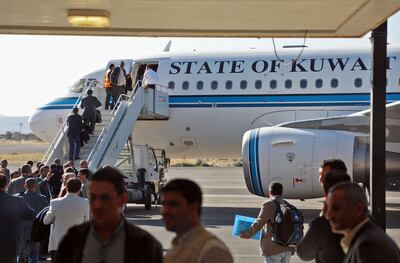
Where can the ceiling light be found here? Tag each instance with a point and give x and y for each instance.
(89, 17)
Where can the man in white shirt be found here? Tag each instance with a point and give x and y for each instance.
(118, 80)
(150, 77)
(65, 212)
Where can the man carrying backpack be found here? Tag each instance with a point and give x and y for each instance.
(118, 81)
(279, 233)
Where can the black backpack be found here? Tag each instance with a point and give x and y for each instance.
(40, 231)
(114, 76)
(288, 226)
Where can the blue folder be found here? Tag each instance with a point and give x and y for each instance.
(243, 223)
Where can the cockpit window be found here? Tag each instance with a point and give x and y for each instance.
(82, 84)
(78, 86)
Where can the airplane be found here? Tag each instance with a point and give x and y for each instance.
(279, 114)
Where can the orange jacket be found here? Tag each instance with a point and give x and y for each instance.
(107, 83)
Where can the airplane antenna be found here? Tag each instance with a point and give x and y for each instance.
(293, 46)
(168, 46)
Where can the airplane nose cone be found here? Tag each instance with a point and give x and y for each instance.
(35, 125)
(44, 124)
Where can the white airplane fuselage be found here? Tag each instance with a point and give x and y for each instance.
(214, 99)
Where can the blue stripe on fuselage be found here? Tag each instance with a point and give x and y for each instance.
(246, 101)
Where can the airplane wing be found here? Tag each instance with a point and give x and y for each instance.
(356, 122)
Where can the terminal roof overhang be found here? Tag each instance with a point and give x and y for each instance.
(202, 18)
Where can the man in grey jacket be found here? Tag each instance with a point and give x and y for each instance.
(89, 104)
(17, 185)
(29, 251)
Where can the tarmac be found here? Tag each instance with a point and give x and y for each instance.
(225, 195)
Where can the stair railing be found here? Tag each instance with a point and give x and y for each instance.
(89, 84)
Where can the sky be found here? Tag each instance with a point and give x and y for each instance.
(36, 69)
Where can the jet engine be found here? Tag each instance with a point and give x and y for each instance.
(293, 157)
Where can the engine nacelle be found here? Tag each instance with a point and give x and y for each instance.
(293, 157)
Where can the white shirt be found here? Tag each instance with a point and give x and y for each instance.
(150, 77)
(121, 77)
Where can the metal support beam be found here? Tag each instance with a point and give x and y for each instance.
(378, 125)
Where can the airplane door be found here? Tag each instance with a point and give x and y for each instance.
(128, 64)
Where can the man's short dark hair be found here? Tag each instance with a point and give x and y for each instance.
(189, 190)
(354, 194)
(43, 167)
(69, 170)
(85, 171)
(26, 169)
(334, 177)
(73, 185)
(30, 183)
(30, 162)
(57, 161)
(334, 164)
(3, 181)
(276, 188)
(75, 110)
(111, 175)
(90, 92)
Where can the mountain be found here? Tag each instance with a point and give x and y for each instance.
(14, 124)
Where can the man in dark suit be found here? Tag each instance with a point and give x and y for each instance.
(46, 186)
(75, 126)
(86, 242)
(363, 241)
(12, 213)
(320, 243)
(89, 104)
(29, 251)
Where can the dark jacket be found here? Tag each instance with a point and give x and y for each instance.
(140, 246)
(13, 210)
(371, 244)
(90, 103)
(75, 125)
(46, 189)
(35, 201)
(320, 243)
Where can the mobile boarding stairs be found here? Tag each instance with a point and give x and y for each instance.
(111, 143)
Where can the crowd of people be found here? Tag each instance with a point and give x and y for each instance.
(343, 232)
(40, 188)
(85, 212)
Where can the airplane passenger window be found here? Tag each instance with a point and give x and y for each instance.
(358, 82)
(318, 83)
(258, 84)
(273, 84)
(214, 84)
(303, 83)
(200, 84)
(185, 85)
(228, 84)
(334, 83)
(171, 85)
(288, 84)
(243, 84)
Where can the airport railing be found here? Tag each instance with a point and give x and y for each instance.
(56, 146)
